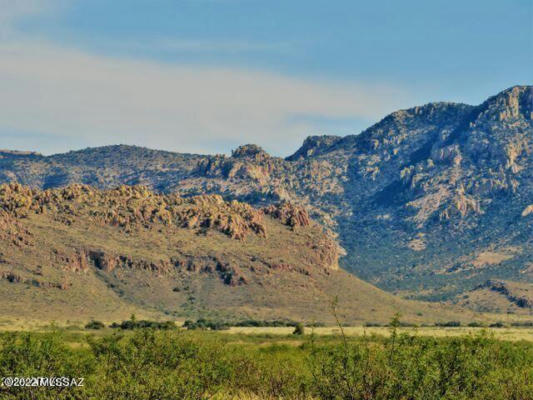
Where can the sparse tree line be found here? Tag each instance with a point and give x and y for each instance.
(221, 325)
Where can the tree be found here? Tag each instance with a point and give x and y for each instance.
(94, 325)
(299, 329)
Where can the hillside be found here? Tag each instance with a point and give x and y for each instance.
(78, 252)
(418, 200)
(498, 296)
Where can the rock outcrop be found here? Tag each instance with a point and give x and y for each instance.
(289, 214)
(133, 207)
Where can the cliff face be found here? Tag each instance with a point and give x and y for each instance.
(415, 199)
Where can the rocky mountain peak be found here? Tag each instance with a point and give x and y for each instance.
(252, 151)
(511, 104)
(314, 145)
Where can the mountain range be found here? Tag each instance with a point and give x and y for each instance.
(430, 203)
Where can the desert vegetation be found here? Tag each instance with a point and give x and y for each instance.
(149, 363)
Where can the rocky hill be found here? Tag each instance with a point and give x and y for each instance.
(429, 202)
(79, 252)
(498, 296)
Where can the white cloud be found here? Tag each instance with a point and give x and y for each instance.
(102, 100)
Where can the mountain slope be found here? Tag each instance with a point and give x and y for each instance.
(500, 297)
(80, 252)
(415, 199)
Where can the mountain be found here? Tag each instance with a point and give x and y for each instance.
(79, 252)
(418, 200)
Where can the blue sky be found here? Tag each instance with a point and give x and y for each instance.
(207, 75)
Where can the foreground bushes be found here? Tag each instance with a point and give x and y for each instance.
(426, 368)
(150, 364)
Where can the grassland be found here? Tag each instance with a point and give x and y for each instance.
(511, 333)
(385, 363)
(510, 330)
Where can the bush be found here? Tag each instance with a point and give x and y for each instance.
(95, 325)
(206, 324)
(423, 368)
(299, 329)
(372, 324)
(134, 324)
(258, 323)
(452, 324)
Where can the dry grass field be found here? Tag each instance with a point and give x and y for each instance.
(510, 333)
(513, 333)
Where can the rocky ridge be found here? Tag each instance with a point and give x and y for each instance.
(130, 207)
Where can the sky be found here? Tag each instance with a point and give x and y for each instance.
(205, 76)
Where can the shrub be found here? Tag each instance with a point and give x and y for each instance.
(409, 367)
(134, 324)
(206, 324)
(259, 323)
(95, 325)
(452, 324)
(299, 329)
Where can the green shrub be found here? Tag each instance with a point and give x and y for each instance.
(134, 324)
(95, 325)
(451, 324)
(407, 367)
(299, 329)
(372, 324)
(259, 323)
(206, 324)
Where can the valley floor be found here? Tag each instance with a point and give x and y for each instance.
(507, 332)
(512, 333)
